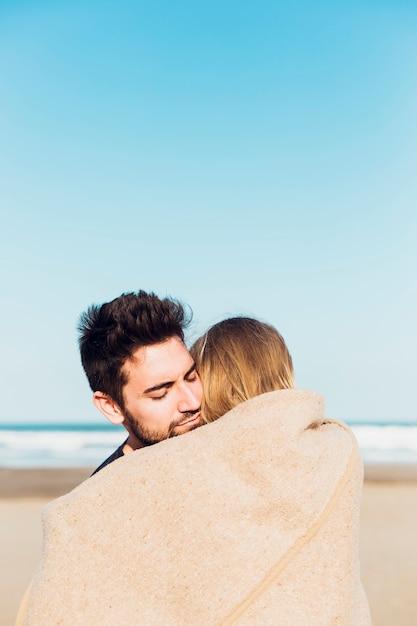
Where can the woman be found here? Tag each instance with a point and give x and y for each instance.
(251, 519)
(238, 359)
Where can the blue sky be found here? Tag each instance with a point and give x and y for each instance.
(254, 158)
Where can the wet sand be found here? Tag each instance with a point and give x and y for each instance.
(388, 536)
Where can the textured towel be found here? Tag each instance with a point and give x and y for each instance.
(250, 520)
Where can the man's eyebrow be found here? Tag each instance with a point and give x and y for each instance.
(169, 383)
(160, 386)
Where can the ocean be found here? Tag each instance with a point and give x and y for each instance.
(87, 445)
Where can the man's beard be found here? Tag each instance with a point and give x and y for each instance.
(148, 436)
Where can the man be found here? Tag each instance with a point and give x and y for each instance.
(139, 369)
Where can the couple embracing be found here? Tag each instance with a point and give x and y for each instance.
(250, 519)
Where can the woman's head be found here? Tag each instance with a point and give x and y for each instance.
(237, 359)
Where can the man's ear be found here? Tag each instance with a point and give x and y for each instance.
(108, 407)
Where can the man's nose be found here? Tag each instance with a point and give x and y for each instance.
(191, 396)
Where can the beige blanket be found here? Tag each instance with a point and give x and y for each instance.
(250, 520)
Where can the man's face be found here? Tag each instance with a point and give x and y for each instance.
(163, 393)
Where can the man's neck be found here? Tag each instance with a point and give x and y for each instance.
(132, 443)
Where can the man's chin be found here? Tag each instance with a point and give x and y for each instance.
(149, 437)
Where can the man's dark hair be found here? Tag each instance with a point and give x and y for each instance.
(111, 332)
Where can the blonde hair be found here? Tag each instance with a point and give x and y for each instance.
(237, 359)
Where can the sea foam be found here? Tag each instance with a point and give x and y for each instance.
(83, 445)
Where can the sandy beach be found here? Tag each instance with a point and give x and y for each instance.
(388, 536)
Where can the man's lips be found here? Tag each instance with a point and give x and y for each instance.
(192, 419)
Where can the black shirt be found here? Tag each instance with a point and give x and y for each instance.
(116, 455)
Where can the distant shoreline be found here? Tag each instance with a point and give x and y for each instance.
(66, 446)
(53, 482)
(41, 483)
